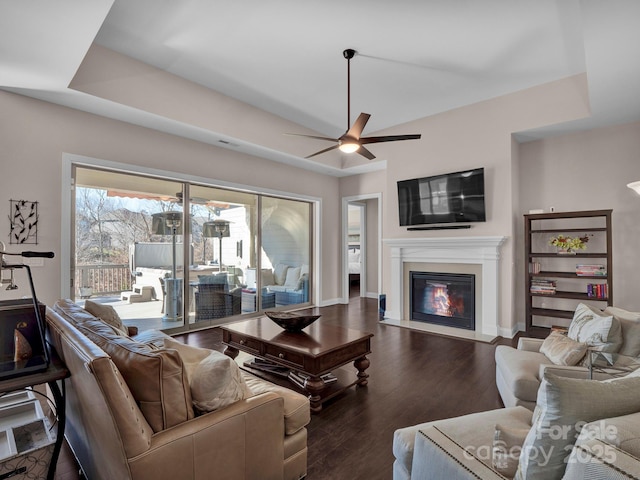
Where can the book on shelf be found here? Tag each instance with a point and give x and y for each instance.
(300, 379)
(591, 270)
(543, 287)
(534, 268)
(599, 290)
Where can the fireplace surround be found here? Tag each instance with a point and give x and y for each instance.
(481, 252)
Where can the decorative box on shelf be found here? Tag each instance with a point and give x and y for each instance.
(26, 443)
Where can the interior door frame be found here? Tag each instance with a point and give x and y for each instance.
(345, 240)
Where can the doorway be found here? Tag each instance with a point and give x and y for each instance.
(356, 246)
(361, 265)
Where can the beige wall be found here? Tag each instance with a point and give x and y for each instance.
(587, 171)
(35, 134)
(478, 135)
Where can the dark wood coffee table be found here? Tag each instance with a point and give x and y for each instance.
(317, 350)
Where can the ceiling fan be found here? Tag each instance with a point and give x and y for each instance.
(351, 141)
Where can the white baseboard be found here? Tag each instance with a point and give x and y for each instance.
(332, 301)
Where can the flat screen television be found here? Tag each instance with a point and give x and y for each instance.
(449, 198)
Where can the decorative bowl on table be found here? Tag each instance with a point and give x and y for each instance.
(291, 321)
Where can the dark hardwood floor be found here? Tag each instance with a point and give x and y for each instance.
(415, 377)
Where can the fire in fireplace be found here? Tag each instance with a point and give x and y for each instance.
(443, 298)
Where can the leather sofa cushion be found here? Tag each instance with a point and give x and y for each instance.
(296, 407)
(156, 377)
(519, 370)
(72, 312)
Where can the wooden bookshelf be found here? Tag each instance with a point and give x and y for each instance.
(572, 289)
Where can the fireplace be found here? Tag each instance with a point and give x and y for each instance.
(479, 256)
(443, 299)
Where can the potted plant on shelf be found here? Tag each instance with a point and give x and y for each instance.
(568, 245)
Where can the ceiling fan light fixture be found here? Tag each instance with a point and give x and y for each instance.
(349, 147)
(352, 141)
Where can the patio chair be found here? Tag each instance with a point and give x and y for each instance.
(214, 300)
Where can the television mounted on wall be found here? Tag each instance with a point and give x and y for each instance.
(442, 199)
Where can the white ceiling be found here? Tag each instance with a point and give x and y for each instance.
(415, 57)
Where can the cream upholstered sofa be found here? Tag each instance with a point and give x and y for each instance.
(583, 429)
(520, 370)
(130, 413)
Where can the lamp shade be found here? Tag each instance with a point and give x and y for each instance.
(163, 223)
(635, 186)
(216, 228)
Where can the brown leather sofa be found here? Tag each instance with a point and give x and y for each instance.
(260, 437)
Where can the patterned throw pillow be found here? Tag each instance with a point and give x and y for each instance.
(562, 350)
(599, 331)
(564, 405)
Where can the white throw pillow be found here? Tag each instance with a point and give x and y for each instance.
(599, 331)
(217, 382)
(565, 405)
(562, 350)
(293, 275)
(214, 378)
(191, 356)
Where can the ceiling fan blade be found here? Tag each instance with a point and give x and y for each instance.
(311, 136)
(358, 126)
(366, 153)
(322, 151)
(389, 138)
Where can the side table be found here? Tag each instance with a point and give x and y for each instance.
(612, 364)
(55, 372)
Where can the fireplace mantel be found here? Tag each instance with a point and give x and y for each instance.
(484, 251)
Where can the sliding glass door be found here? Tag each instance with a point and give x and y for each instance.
(224, 238)
(129, 249)
(174, 255)
(286, 251)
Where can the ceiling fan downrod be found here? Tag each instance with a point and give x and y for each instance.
(349, 53)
